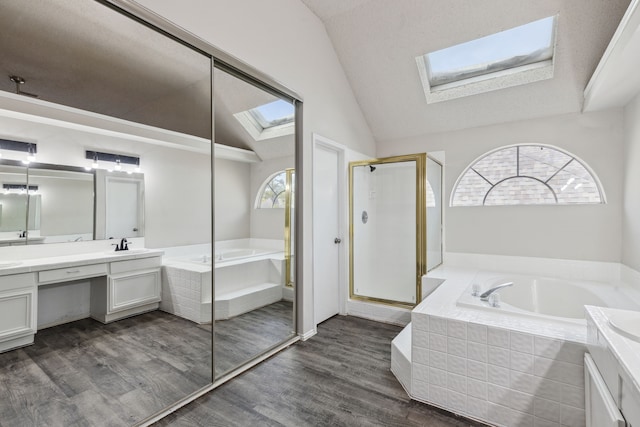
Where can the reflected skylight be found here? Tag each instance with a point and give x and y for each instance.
(273, 114)
(528, 44)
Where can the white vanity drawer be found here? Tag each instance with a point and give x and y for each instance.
(118, 267)
(72, 273)
(17, 281)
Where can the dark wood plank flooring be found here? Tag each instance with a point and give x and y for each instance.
(340, 377)
(85, 373)
(240, 338)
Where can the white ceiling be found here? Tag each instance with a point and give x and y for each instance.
(377, 41)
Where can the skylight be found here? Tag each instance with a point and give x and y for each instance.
(525, 49)
(268, 120)
(273, 114)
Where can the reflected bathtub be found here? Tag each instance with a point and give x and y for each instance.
(246, 279)
(226, 255)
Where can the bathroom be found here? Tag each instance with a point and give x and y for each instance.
(597, 239)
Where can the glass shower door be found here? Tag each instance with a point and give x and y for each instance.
(387, 229)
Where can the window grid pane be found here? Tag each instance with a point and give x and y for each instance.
(520, 191)
(526, 175)
(273, 192)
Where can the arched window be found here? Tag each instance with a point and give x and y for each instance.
(273, 192)
(526, 175)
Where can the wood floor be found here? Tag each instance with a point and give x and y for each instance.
(85, 373)
(340, 377)
(241, 338)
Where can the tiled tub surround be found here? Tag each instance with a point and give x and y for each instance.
(500, 368)
(242, 284)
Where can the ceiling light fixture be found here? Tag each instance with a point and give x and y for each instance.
(24, 147)
(31, 154)
(118, 159)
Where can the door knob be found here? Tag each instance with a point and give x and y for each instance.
(337, 240)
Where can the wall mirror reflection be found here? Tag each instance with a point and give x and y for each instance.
(13, 204)
(254, 198)
(100, 339)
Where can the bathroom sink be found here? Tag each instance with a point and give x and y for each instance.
(626, 323)
(9, 264)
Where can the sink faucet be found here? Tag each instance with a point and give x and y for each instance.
(23, 234)
(485, 295)
(122, 246)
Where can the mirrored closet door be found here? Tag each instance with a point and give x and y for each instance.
(82, 77)
(106, 137)
(254, 166)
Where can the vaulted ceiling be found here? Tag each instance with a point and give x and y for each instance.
(377, 42)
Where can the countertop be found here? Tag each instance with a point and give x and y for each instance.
(625, 350)
(48, 263)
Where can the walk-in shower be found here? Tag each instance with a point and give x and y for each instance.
(388, 204)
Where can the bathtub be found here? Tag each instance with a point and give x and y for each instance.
(546, 298)
(517, 364)
(246, 278)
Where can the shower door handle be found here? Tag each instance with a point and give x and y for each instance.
(337, 240)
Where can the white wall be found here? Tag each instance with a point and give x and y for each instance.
(631, 205)
(285, 40)
(584, 232)
(233, 199)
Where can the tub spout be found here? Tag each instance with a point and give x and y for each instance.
(485, 295)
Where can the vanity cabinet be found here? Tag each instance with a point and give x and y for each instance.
(612, 396)
(18, 310)
(132, 287)
(122, 285)
(600, 407)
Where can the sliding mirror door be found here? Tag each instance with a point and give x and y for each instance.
(81, 76)
(254, 196)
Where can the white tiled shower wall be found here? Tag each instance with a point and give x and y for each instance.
(496, 375)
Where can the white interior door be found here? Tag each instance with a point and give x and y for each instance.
(327, 238)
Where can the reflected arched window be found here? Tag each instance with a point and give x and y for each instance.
(431, 196)
(527, 175)
(272, 193)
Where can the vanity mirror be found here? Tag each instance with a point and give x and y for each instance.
(13, 203)
(61, 204)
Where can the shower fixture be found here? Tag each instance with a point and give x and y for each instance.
(20, 81)
(372, 168)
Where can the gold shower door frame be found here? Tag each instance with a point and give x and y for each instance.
(421, 225)
(288, 243)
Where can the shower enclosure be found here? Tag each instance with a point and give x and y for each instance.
(388, 203)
